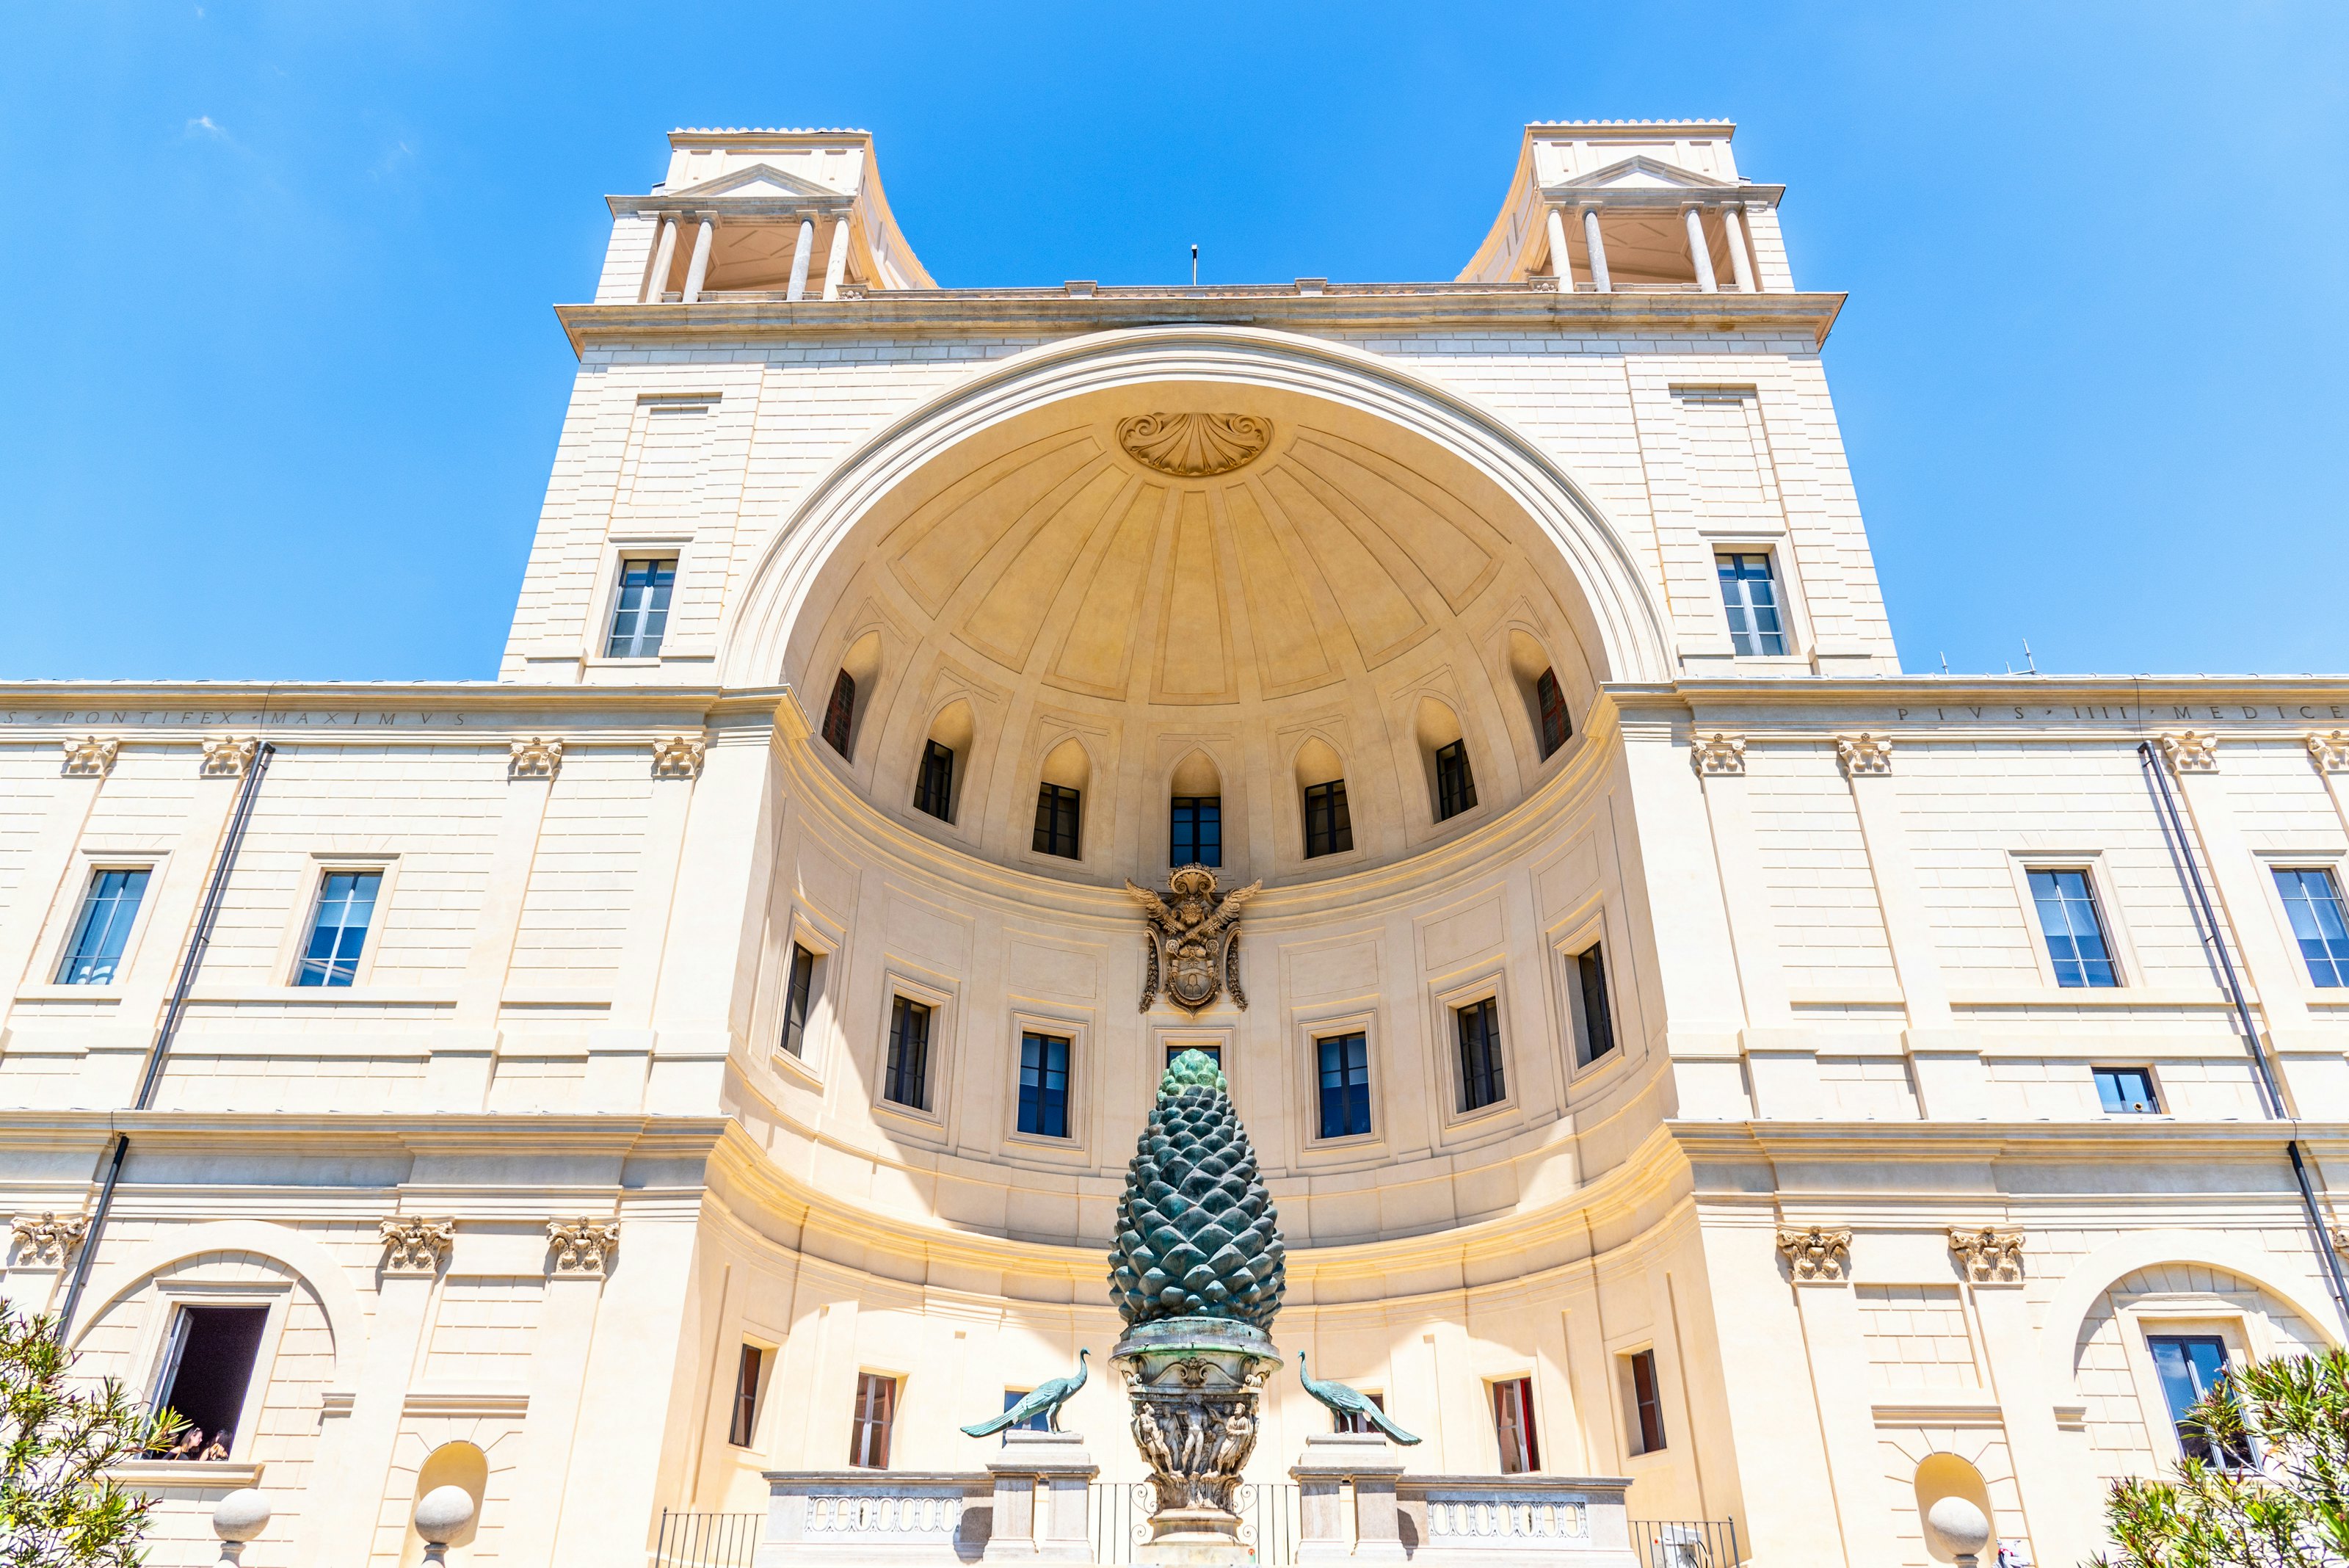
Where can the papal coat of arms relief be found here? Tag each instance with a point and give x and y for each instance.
(1193, 934)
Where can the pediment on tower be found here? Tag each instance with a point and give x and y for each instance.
(760, 179)
(1642, 172)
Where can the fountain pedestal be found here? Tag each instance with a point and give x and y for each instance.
(1194, 1384)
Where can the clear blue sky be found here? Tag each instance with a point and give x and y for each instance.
(279, 384)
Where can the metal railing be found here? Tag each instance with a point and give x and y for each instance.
(1685, 1542)
(705, 1540)
(1117, 1516)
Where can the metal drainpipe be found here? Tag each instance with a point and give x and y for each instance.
(198, 940)
(2272, 1096)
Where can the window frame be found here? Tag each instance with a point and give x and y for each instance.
(1319, 1036)
(1482, 982)
(2021, 864)
(78, 910)
(859, 1423)
(1770, 551)
(1045, 1040)
(901, 977)
(806, 999)
(802, 927)
(2096, 917)
(932, 746)
(1520, 1384)
(302, 915)
(845, 745)
(1542, 709)
(2160, 1105)
(1057, 799)
(276, 1295)
(742, 1434)
(2331, 865)
(1195, 802)
(1496, 1065)
(623, 556)
(1454, 798)
(1342, 803)
(901, 1010)
(1636, 1410)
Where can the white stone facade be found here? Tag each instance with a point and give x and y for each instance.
(560, 1065)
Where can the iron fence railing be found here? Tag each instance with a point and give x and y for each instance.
(1685, 1542)
(1117, 1517)
(705, 1540)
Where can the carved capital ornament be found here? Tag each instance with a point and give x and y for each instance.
(90, 757)
(1718, 753)
(1864, 755)
(678, 756)
(413, 1246)
(1817, 1256)
(1195, 446)
(535, 758)
(2330, 751)
(1990, 1256)
(2191, 751)
(227, 756)
(582, 1246)
(47, 1241)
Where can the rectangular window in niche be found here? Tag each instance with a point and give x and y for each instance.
(208, 1359)
(745, 1422)
(2190, 1365)
(2311, 901)
(1749, 595)
(339, 927)
(796, 996)
(1557, 729)
(1512, 1425)
(1056, 820)
(1213, 1052)
(1481, 1083)
(875, 1414)
(2126, 1090)
(934, 788)
(1647, 1403)
(108, 910)
(2074, 929)
(1597, 1037)
(1195, 830)
(907, 1080)
(1455, 786)
(1329, 829)
(1044, 1085)
(1345, 1070)
(640, 610)
(840, 713)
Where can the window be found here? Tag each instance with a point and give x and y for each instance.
(1327, 829)
(868, 1428)
(207, 1365)
(1647, 1402)
(1513, 1424)
(1557, 729)
(2126, 1089)
(745, 1422)
(338, 931)
(1354, 1421)
(1455, 787)
(1196, 832)
(2190, 1365)
(840, 713)
(1041, 1421)
(1750, 594)
(1044, 1085)
(907, 1080)
(2312, 899)
(107, 912)
(2075, 932)
(1597, 1023)
(1480, 1055)
(640, 615)
(795, 1000)
(934, 788)
(1056, 820)
(1213, 1052)
(1345, 1085)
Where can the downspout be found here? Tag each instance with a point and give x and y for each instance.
(198, 940)
(2272, 1097)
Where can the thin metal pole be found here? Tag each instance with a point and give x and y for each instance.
(2175, 826)
(198, 941)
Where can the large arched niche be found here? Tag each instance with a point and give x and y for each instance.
(1356, 554)
(1511, 485)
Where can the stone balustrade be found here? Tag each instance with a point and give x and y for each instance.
(816, 1517)
(1487, 1518)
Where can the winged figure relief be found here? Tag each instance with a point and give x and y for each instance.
(1194, 937)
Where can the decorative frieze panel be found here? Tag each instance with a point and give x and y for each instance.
(1817, 1256)
(2191, 751)
(1718, 753)
(678, 756)
(2330, 751)
(227, 756)
(1990, 1257)
(1503, 1518)
(582, 1246)
(886, 1515)
(537, 758)
(90, 757)
(414, 1246)
(47, 1241)
(1864, 755)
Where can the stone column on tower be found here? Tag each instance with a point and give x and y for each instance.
(698, 269)
(835, 263)
(800, 246)
(1702, 256)
(1596, 246)
(1560, 262)
(1739, 261)
(664, 256)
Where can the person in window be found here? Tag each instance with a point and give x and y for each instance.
(218, 1448)
(190, 1443)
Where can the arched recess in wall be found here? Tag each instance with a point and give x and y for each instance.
(1196, 812)
(307, 1264)
(1444, 759)
(939, 771)
(1322, 799)
(1060, 800)
(1942, 1475)
(852, 692)
(1538, 687)
(2088, 1280)
(1615, 611)
(457, 1464)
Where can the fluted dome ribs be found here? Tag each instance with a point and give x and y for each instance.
(1196, 1234)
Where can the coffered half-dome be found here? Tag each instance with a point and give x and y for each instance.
(1184, 570)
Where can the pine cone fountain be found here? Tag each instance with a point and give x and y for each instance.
(1197, 1272)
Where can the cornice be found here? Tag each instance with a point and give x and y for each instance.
(1668, 198)
(2106, 701)
(2162, 1139)
(361, 1133)
(1338, 308)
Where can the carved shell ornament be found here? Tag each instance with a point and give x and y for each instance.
(1195, 446)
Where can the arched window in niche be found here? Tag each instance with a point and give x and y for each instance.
(857, 670)
(1060, 800)
(1537, 683)
(1451, 784)
(1321, 788)
(1195, 813)
(937, 784)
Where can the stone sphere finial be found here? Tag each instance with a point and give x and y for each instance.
(441, 1515)
(237, 1518)
(1964, 1529)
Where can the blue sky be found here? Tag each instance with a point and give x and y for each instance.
(280, 384)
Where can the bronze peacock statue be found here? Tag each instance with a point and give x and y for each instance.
(1343, 1402)
(1046, 1401)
